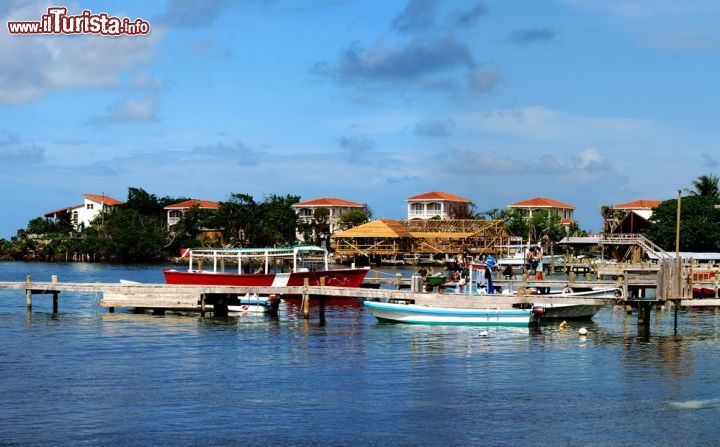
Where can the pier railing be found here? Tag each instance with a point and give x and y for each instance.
(650, 247)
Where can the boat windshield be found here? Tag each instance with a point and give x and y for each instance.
(298, 257)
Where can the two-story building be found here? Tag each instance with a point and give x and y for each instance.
(631, 217)
(82, 215)
(176, 210)
(335, 207)
(564, 211)
(434, 204)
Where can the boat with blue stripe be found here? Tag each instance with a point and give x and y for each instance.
(417, 314)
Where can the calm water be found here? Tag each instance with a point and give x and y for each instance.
(86, 377)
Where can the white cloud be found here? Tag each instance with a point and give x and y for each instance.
(129, 110)
(33, 66)
(540, 123)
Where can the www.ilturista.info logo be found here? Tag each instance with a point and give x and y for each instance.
(56, 21)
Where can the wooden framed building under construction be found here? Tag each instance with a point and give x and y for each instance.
(391, 238)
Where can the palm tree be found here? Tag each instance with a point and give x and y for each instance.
(705, 185)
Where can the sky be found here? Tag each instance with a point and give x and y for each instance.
(588, 102)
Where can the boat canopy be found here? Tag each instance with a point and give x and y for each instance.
(298, 254)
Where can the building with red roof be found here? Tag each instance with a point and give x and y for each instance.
(435, 204)
(335, 207)
(82, 215)
(630, 217)
(564, 211)
(176, 210)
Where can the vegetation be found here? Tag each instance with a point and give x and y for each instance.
(705, 186)
(137, 231)
(699, 229)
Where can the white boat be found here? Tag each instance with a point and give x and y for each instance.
(612, 292)
(252, 304)
(518, 259)
(392, 262)
(416, 314)
(573, 311)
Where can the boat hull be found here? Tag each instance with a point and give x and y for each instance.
(333, 278)
(414, 314)
(569, 311)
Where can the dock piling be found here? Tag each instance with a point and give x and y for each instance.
(306, 299)
(322, 302)
(55, 294)
(28, 293)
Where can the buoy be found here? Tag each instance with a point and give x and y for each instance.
(583, 331)
(563, 325)
(484, 333)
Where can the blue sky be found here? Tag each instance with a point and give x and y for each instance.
(584, 101)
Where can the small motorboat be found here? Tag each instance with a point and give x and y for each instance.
(415, 314)
(254, 304)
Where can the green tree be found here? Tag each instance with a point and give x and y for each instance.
(193, 221)
(239, 219)
(278, 221)
(705, 185)
(516, 221)
(143, 202)
(352, 218)
(545, 225)
(699, 230)
(127, 235)
(460, 210)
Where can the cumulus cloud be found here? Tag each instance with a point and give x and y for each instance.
(12, 150)
(418, 15)
(238, 152)
(436, 63)
(541, 123)
(587, 161)
(129, 110)
(33, 66)
(434, 128)
(531, 35)
(470, 16)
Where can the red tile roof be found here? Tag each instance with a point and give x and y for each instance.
(106, 200)
(329, 201)
(541, 202)
(190, 203)
(567, 221)
(639, 204)
(438, 195)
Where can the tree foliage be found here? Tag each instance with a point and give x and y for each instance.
(699, 230)
(353, 218)
(706, 186)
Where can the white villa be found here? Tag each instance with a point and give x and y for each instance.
(564, 211)
(336, 207)
(176, 210)
(82, 215)
(433, 204)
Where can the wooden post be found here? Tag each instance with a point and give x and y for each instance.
(55, 301)
(322, 302)
(202, 304)
(398, 280)
(28, 293)
(306, 299)
(111, 310)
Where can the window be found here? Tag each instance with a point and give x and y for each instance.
(90, 206)
(75, 217)
(416, 207)
(433, 207)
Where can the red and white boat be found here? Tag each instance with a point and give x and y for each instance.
(279, 267)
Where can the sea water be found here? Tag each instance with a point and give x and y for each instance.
(87, 377)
